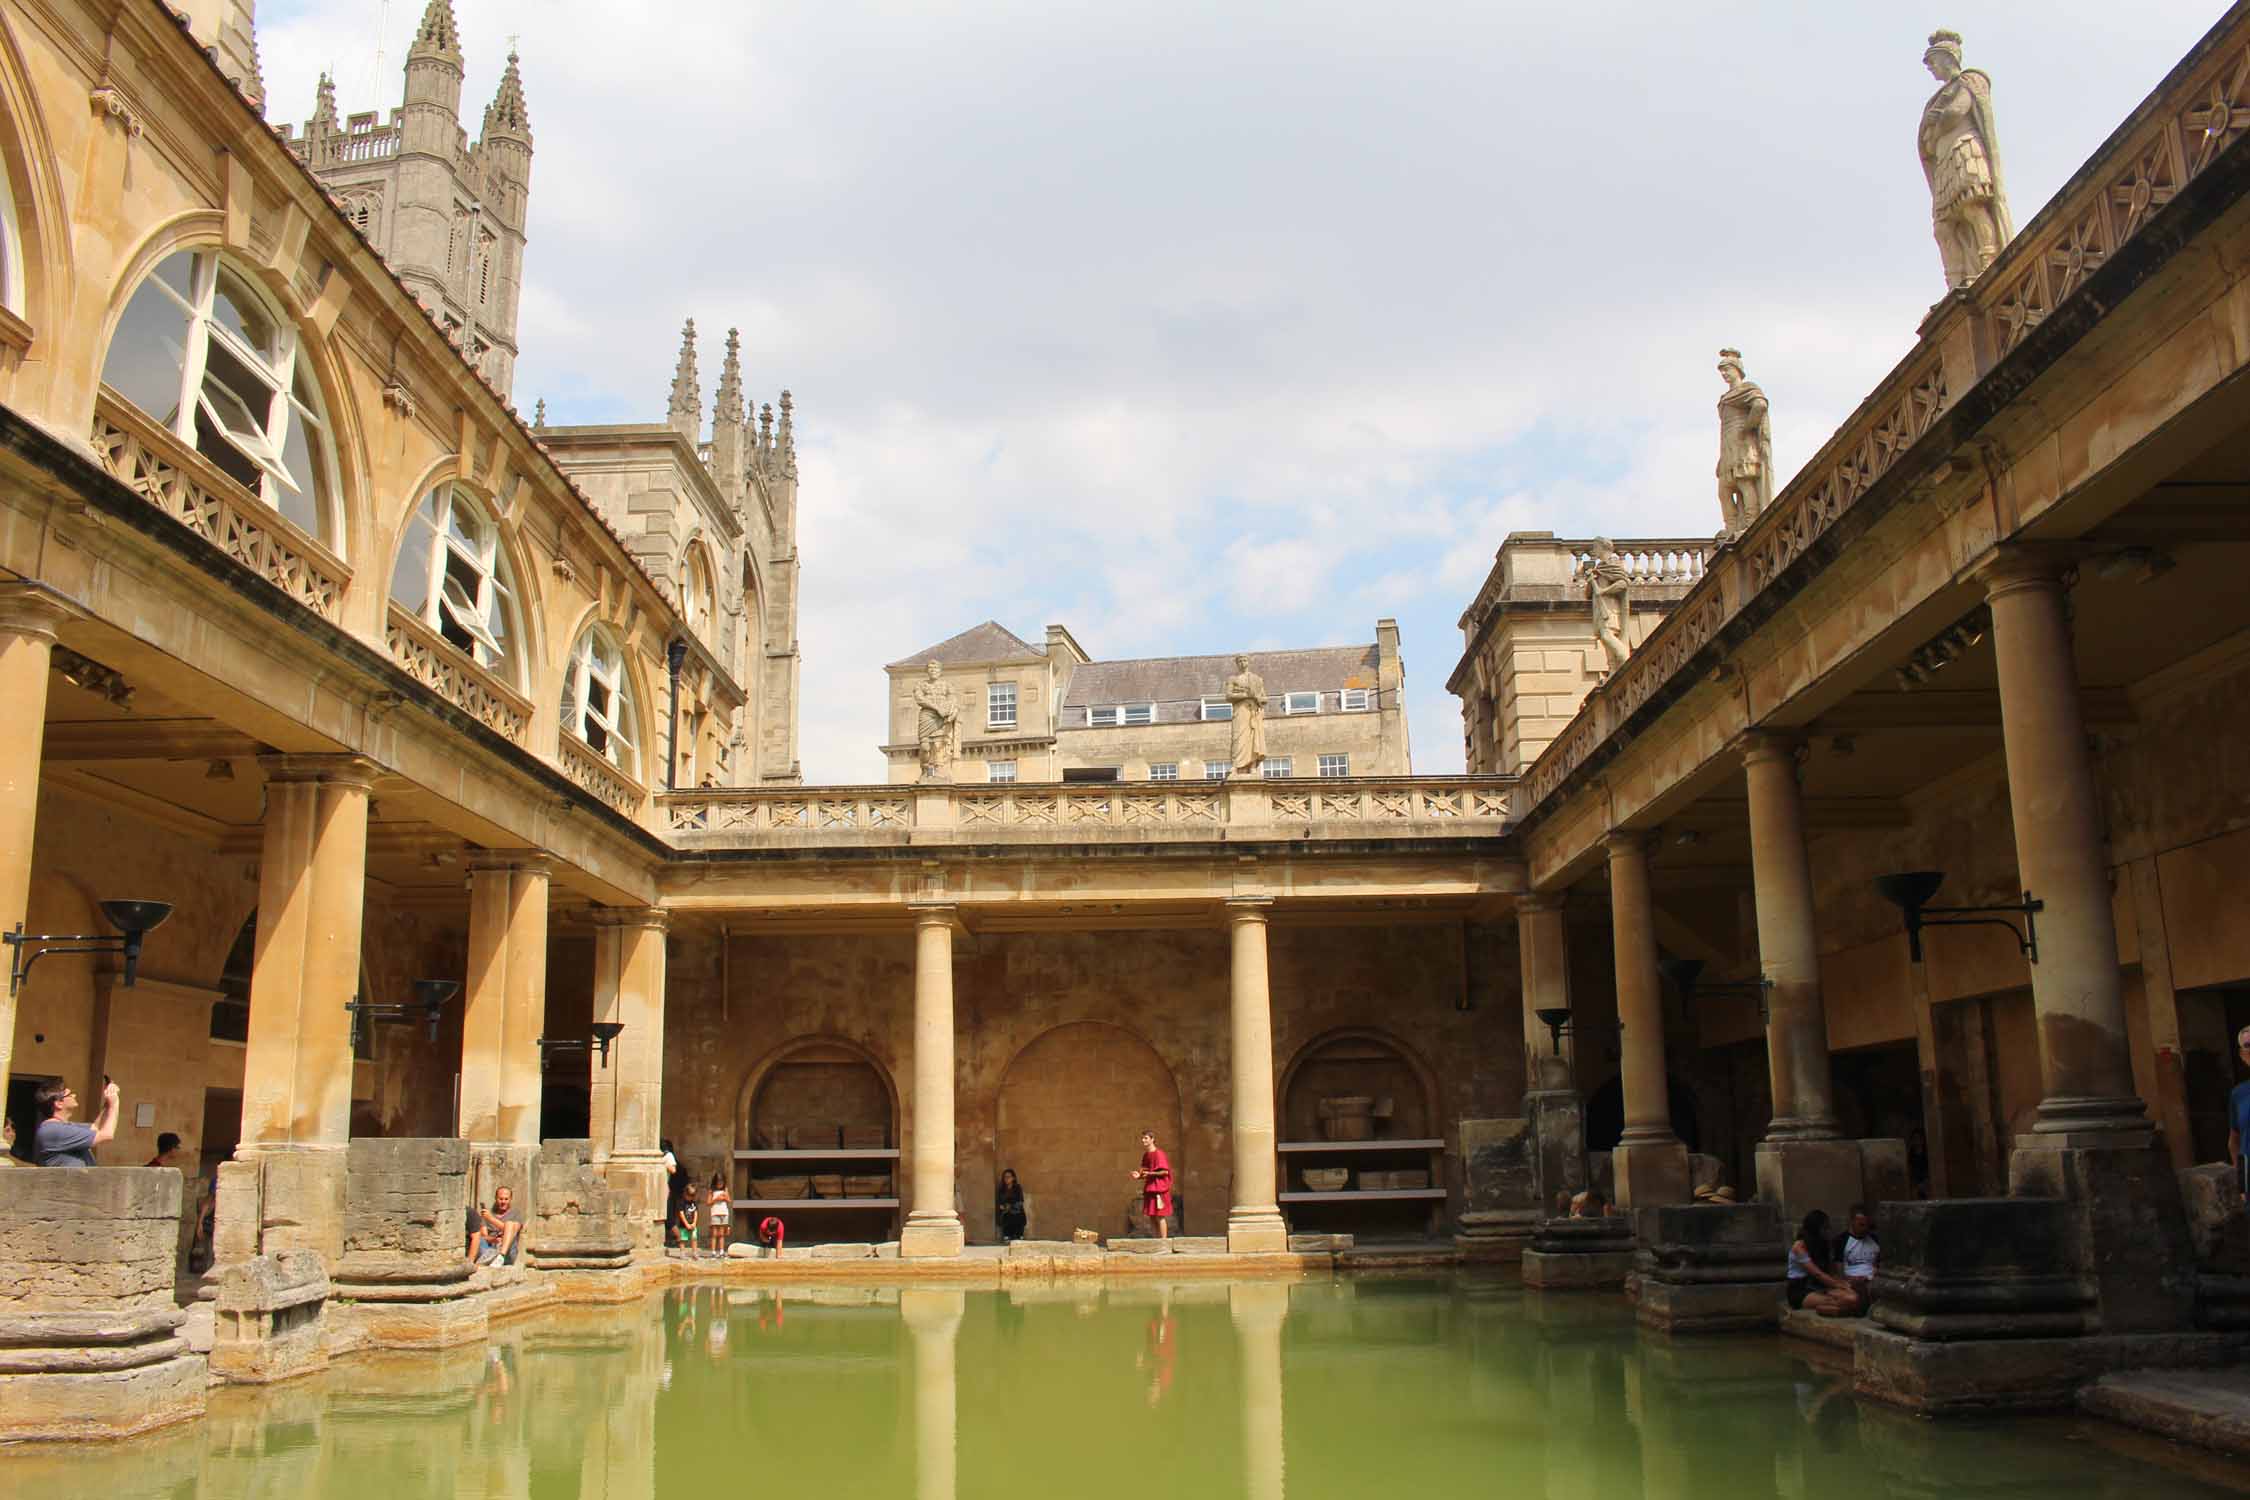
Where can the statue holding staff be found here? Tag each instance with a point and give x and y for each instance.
(1960, 148)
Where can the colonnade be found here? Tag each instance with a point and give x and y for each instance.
(2077, 988)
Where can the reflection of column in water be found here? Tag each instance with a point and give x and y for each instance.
(1707, 1418)
(619, 1461)
(1258, 1309)
(934, 1319)
(1591, 1438)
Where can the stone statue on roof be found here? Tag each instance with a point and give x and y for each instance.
(1745, 448)
(937, 725)
(1246, 701)
(1960, 148)
(1609, 589)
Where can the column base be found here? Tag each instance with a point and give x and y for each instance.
(1499, 1236)
(1256, 1231)
(1799, 1176)
(291, 1198)
(1650, 1174)
(938, 1237)
(637, 1181)
(2125, 1212)
(2080, 1120)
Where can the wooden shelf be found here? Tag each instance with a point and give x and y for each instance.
(840, 1153)
(1327, 1146)
(1371, 1195)
(753, 1207)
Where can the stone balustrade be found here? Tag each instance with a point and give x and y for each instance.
(595, 772)
(1106, 812)
(452, 676)
(1652, 562)
(181, 483)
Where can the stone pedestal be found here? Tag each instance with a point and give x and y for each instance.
(1711, 1268)
(504, 1164)
(404, 1281)
(1500, 1189)
(89, 1333)
(1651, 1173)
(1579, 1255)
(2219, 1238)
(268, 1323)
(1798, 1176)
(580, 1237)
(2131, 1230)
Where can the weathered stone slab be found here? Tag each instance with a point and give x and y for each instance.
(1710, 1268)
(268, 1322)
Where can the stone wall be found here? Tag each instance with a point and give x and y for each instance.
(1163, 990)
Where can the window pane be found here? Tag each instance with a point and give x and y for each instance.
(1335, 765)
(236, 309)
(211, 442)
(1277, 767)
(1215, 770)
(305, 504)
(178, 273)
(1217, 708)
(1001, 770)
(143, 363)
(1164, 771)
(410, 581)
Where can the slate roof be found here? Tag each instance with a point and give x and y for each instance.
(1187, 680)
(990, 641)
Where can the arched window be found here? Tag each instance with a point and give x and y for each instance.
(695, 591)
(453, 576)
(597, 701)
(200, 350)
(11, 246)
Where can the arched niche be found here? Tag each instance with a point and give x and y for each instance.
(1359, 1062)
(811, 1081)
(1072, 1106)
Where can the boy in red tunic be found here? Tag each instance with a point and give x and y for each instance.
(1154, 1174)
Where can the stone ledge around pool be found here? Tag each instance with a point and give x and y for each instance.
(993, 1265)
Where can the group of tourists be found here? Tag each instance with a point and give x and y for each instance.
(1834, 1275)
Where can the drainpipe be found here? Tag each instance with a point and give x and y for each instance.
(675, 656)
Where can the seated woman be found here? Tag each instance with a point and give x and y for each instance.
(1813, 1278)
(1010, 1216)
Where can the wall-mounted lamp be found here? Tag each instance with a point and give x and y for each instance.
(1911, 890)
(605, 1032)
(1686, 975)
(429, 1000)
(133, 920)
(1556, 1018)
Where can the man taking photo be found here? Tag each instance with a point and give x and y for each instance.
(60, 1142)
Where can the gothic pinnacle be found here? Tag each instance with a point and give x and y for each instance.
(438, 35)
(729, 407)
(508, 112)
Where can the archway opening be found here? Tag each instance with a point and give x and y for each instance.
(1072, 1107)
(816, 1145)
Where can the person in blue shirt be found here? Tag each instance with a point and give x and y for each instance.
(2238, 1115)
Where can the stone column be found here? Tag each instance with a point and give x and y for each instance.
(286, 1185)
(29, 618)
(626, 1102)
(504, 1012)
(933, 1321)
(1258, 1310)
(1651, 1164)
(933, 1224)
(2077, 991)
(1552, 1105)
(1254, 1223)
(1801, 1164)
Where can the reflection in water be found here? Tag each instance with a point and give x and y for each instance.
(1313, 1389)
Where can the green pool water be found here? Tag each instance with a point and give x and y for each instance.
(1455, 1385)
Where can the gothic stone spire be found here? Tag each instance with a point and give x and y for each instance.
(685, 413)
(438, 35)
(729, 406)
(508, 114)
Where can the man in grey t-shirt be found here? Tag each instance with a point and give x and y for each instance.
(61, 1142)
(495, 1232)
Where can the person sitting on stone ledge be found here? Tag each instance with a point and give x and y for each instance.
(1862, 1253)
(1813, 1281)
(495, 1232)
(1589, 1204)
(58, 1142)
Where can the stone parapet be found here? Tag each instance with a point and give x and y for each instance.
(89, 1333)
(1711, 1267)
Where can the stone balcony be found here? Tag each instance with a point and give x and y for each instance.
(1034, 814)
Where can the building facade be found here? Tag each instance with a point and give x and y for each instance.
(1049, 713)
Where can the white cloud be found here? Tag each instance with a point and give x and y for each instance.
(1197, 328)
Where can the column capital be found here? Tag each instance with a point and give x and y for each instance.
(653, 917)
(935, 913)
(2015, 566)
(337, 770)
(33, 610)
(1763, 745)
(1248, 908)
(1625, 843)
(523, 861)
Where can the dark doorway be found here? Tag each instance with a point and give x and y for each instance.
(1605, 1114)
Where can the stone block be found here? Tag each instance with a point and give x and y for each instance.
(843, 1250)
(1686, 1307)
(1202, 1244)
(1319, 1244)
(267, 1318)
(406, 1206)
(1967, 1376)
(1884, 1176)
(1499, 1166)
(1800, 1176)
(1576, 1270)
(100, 1242)
(577, 1223)
(1558, 1127)
(2125, 1211)
(1804, 1323)
(931, 1241)
(888, 1250)
(1125, 1245)
(1649, 1175)
(1980, 1268)
(103, 1404)
(1710, 1268)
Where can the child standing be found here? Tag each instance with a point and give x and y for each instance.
(688, 1218)
(721, 1212)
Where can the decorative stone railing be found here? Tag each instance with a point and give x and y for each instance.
(180, 482)
(2201, 112)
(1345, 807)
(359, 143)
(1655, 562)
(592, 770)
(440, 667)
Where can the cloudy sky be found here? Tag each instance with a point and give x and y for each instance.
(1196, 327)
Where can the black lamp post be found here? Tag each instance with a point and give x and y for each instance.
(133, 920)
(1686, 975)
(605, 1032)
(1910, 891)
(429, 1000)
